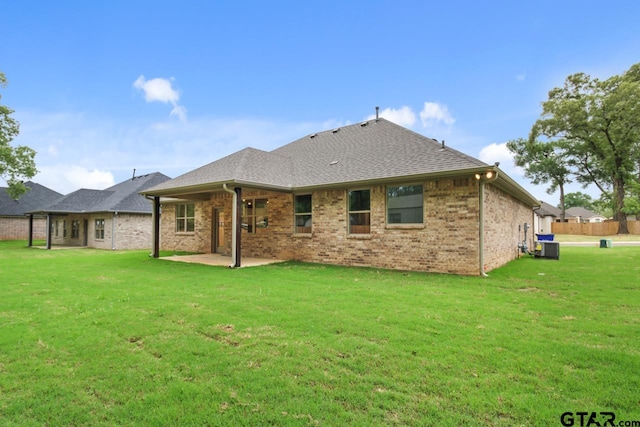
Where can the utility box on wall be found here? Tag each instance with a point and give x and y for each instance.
(545, 249)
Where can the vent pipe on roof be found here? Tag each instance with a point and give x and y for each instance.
(443, 144)
(134, 174)
(377, 113)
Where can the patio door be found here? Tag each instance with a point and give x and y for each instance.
(218, 231)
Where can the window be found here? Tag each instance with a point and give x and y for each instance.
(100, 229)
(64, 228)
(57, 226)
(255, 214)
(75, 229)
(185, 218)
(404, 204)
(302, 208)
(359, 212)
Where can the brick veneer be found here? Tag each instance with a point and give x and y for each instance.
(447, 242)
(132, 231)
(13, 228)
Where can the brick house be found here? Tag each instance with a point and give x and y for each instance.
(370, 194)
(114, 218)
(15, 223)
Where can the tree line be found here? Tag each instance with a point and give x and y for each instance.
(589, 131)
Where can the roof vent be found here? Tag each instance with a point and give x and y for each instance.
(334, 162)
(313, 136)
(363, 124)
(335, 130)
(442, 147)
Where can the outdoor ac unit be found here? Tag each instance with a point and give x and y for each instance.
(549, 250)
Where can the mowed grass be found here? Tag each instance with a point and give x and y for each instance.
(90, 337)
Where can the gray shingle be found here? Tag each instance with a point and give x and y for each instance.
(38, 195)
(365, 151)
(122, 197)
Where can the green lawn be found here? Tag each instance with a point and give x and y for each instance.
(91, 337)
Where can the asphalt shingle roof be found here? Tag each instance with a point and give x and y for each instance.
(581, 212)
(122, 197)
(548, 210)
(375, 149)
(38, 195)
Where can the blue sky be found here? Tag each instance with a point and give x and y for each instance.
(101, 88)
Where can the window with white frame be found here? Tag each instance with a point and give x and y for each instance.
(405, 204)
(185, 218)
(359, 211)
(255, 214)
(302, 209)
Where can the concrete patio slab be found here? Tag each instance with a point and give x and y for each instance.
(220, 260)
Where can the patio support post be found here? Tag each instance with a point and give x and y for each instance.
(30, 230)
(156, 227)
(238, 226)
(48, 231)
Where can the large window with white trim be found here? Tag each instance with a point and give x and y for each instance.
(185, 218)
(359, 211)
(405, 204)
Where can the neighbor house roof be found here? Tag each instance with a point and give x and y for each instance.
(548, 210)
(578, 211)
(371, 151)
(38, 195)
(122, 197)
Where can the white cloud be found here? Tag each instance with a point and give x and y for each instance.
(403, 116)
(65, 178)
(161, 90)
(434, 115)
(493, 153)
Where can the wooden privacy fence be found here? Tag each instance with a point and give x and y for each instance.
(607, 228)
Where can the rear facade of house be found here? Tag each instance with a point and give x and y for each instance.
(373, 195)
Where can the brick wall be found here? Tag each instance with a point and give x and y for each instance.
(504, 227)
(132, 231)
(13, 228)
(447, 242)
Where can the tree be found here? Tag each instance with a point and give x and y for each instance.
(578, 199)
(543, 163)
(16, 163)
(600, 122)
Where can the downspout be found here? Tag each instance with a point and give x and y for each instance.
(234, 224)
(113, 231)
(491, 175)
(481, 229)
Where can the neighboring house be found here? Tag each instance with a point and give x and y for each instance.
(580, 215)
(115, 218)
(14, 222)
(370, 194)
(546, 214)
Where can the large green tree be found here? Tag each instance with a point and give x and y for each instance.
(600, 122)
(578, 199)
(543, 163)
(16, 163)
